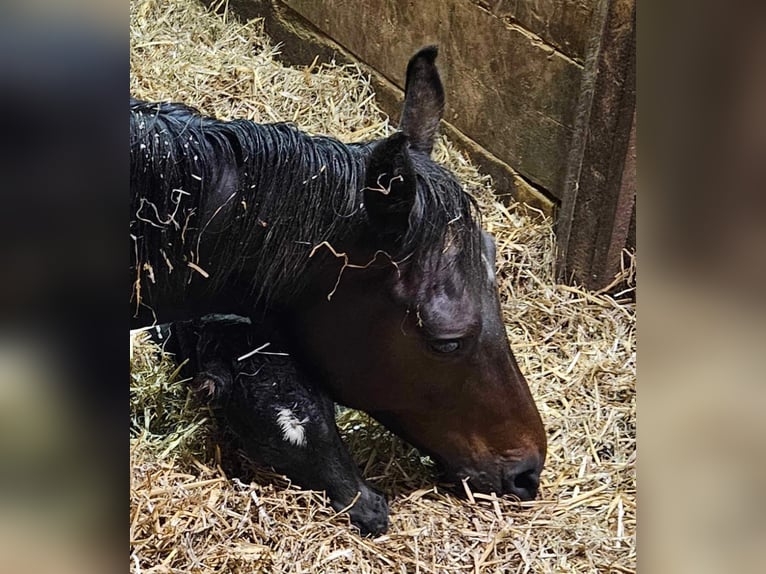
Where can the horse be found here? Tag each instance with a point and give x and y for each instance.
(370, 256)
(278, 417)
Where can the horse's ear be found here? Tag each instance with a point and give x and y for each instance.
(389, 191)
(423, 100)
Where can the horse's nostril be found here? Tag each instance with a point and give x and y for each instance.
(527, 481)
(522, 481)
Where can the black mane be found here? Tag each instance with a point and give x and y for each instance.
(247, 202)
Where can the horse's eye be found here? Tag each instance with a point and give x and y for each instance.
(444, 346)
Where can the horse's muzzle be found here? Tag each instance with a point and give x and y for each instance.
(520, 479)
(369, 513)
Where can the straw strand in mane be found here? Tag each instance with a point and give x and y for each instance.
(247, 202)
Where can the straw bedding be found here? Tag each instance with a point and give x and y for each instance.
(577, 349)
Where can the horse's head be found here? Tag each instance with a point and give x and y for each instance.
(418, 340)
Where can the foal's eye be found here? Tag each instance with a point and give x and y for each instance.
(444, 346)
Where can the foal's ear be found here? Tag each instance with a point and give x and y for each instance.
(389, 191)
(423, 100)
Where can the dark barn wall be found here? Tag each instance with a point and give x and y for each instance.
(518, 75)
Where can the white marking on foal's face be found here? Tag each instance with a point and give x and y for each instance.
(490, 267)
(293, 430)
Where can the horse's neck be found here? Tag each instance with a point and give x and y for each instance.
(229, 212)
(287, 175)
(295, 194)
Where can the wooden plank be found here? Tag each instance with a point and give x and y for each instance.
(595, 218)
(561, 23)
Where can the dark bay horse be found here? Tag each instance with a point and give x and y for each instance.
(371, 256)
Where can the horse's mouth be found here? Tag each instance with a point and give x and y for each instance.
(465, 482)
(521, 484)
